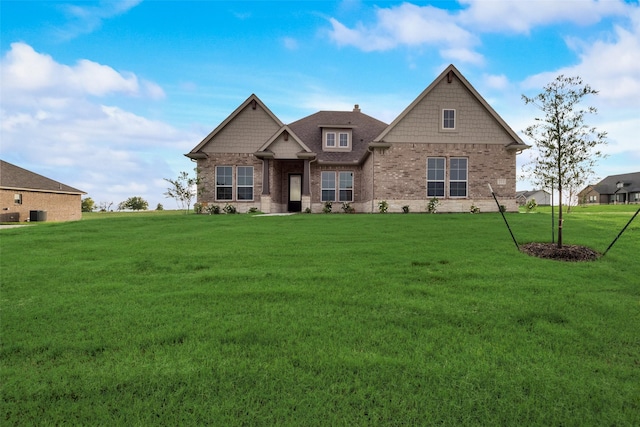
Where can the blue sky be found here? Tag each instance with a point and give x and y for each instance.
(107, 96)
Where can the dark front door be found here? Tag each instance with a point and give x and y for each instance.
(295, 193)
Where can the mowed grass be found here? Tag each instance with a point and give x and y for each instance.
(174, 319)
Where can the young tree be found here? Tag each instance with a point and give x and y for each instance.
(88, 205)
(135, 203)
(567, 149)
(183, 189)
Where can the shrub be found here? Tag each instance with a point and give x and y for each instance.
(213, 209)
(229, 209)
(327, 207)
(307, 210)
(432, 207)
(383, 206)
(159, 207)
(88, 205)
(347, 208)
(405, 209)
(503, 208)
(135, 203)
(531, 205)
(198, 208)
(253, 210)
(474, 209)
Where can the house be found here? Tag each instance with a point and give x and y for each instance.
(27, 196)
(447, 144)
(623, 188)
(542, 197)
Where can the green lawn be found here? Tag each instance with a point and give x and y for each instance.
(174, 319)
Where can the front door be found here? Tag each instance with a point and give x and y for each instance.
(295, 193)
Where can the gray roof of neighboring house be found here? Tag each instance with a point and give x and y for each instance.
(364, 129)
(609, 185)
(13, 177)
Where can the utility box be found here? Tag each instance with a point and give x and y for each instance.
(37, 216)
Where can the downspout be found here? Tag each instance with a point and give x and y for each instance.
(373, 176)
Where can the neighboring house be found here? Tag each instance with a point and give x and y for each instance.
(27, 196)
(623, 189)
(448, 144)
(542, 197)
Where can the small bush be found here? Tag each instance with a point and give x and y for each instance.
(347, 208)
(405, 209)
(383, 206)
(253, 210)
(503, 208)
(198, 208)
(531, 205)
(432, 207)
(307, 210)
(474, 209)
(213, 209)
(229, 209)
(327, 207)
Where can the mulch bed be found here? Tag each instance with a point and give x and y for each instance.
(566, 253)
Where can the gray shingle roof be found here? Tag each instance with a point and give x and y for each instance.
(17, 178)
(364, 129)
(609, 184)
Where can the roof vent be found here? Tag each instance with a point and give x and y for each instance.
(356, 108)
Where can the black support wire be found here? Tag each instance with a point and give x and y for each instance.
(503, 217)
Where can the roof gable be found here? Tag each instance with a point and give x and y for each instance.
(16, 178)
(243, 131)
(284, 144)
(420, 121)
(609, 185)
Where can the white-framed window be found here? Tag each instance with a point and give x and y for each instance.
(458, 177)
(328, 186)
(244, 183)
(435, 176)
(342, 186)
(224, 183)
(343, 140)
(330, 139)
(448, 119)
(17, 198)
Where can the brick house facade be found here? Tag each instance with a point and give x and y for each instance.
(448, 144)
(22, 192)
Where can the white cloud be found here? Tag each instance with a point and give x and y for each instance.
(522, 16)
(408, 25)
(85, 19)
(35, 74)
(290, 43)
(55, 123)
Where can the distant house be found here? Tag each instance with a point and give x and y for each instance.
(447, 144)
(542, 197)
(614, 189)
(27, 196)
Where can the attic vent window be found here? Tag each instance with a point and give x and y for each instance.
(450, 76)
(254, 104)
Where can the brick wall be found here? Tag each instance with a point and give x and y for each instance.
(58, 207)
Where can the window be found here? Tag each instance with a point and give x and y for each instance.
(331, 139)
(458, 177)
(344, 190)
(244, 188)
(448, 119)
(435, 177)
(17, 199)
(346, 186)
(328, 186)
(344, 140)
(224, 183)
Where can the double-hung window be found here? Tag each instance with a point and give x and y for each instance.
(224, 183)
(342, 187)
(345, 180)
(458, 177)
(328, 186)
(344, 140)
(435, 176)
(331, 139)
(448, 119)
(244, 185)
(17, 198)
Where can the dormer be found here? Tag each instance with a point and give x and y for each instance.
(337, 137)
